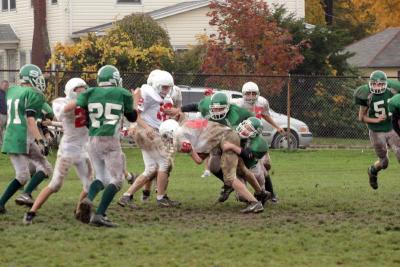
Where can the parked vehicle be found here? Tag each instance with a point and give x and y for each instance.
(299, 136)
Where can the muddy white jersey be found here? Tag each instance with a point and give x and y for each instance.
(151, 106)
(259, 108)
(202, 134)
(75, 132)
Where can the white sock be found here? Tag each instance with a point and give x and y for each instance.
(159, 197)
(127, 194)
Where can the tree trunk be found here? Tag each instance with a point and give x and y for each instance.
(41, 52)
(329, 11)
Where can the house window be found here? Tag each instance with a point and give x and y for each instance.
(54, 2)
(7, 5)
(129, 1)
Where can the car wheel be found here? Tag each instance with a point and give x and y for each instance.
(281, 141)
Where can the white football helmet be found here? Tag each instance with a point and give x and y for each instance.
(162, 83)
(248, 91)
(71, 85)
(153, 74)
(167, 128)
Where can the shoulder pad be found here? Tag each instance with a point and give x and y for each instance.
(362, 92)
(148, 92)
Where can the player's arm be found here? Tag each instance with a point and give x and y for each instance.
(363, 116)
(129, 112)
(196, 158)
(70, 106)
(395, 122)
(271, 121)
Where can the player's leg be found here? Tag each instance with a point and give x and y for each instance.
(85, 173)
(43, 171)
(147, 189)
(214, 166)
(150, 169)
(229, 163)
(20, 163)
(266, 160)
(114, 165)
(378, 141)
(62, 166)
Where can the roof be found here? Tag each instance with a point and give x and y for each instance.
(155, 14)
(378, 50)
(7, 34)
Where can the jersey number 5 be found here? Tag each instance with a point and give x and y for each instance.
(380, 109)
(97, 110)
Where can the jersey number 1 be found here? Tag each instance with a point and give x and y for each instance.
(96, 111)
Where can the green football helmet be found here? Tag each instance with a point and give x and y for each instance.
(108, 75)
(249, 128)
(219, 106)
(32, 74)
(377, 82)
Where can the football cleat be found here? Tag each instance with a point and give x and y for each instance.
(85, 210)
(130, 178)
(28, 218)
(24, 199)
(274, 199)
(166, 202)
(263, 196)
(101, 221)
(373, 178)
(205, 174)
(3, 210)
(125, 200)
(225, 192)
(253, 207)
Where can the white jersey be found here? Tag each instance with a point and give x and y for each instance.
(260, 107)
(176, 96)
(202, 134)
(75, 133)
(152, 105)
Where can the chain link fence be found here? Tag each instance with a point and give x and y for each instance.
(324, 103)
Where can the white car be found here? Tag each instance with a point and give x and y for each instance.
(300, 135)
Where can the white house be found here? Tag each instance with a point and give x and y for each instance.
(69, 19)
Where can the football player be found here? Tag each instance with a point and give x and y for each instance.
(22, 140)
(156, 156)
(373, 99)
(254, 102)
(72, 150)
(106, 104)
(175, 99)
(199, 137)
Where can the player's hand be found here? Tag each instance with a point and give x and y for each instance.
(150, 133)
(381, 118)
(281, 131)
(171, 111)
(44, 146)
(46, 123)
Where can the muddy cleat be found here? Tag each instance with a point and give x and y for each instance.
(85, 210)
(3, 210)
(145, 196)
(101, 221)
(28, 218)
(253, 207)
(225, 192)
(130, 178)
(24, 199)
(373, 178)
(166, 202)
(125, 200)
(274, 199)
(263, 196)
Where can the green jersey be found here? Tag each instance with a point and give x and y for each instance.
(20, 100)
(377, 104)
(106, 107)
(258, 148)
(394, 104)
(47, 111)
(232, 119)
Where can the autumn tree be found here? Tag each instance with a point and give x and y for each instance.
(314, 12)
(247, 41)
(40, 43)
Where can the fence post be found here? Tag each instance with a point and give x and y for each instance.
(288, 113)
(56, 92)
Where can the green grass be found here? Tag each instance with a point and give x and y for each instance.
(344, 142)
(327, 216)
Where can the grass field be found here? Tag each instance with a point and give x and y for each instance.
(327, 216)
